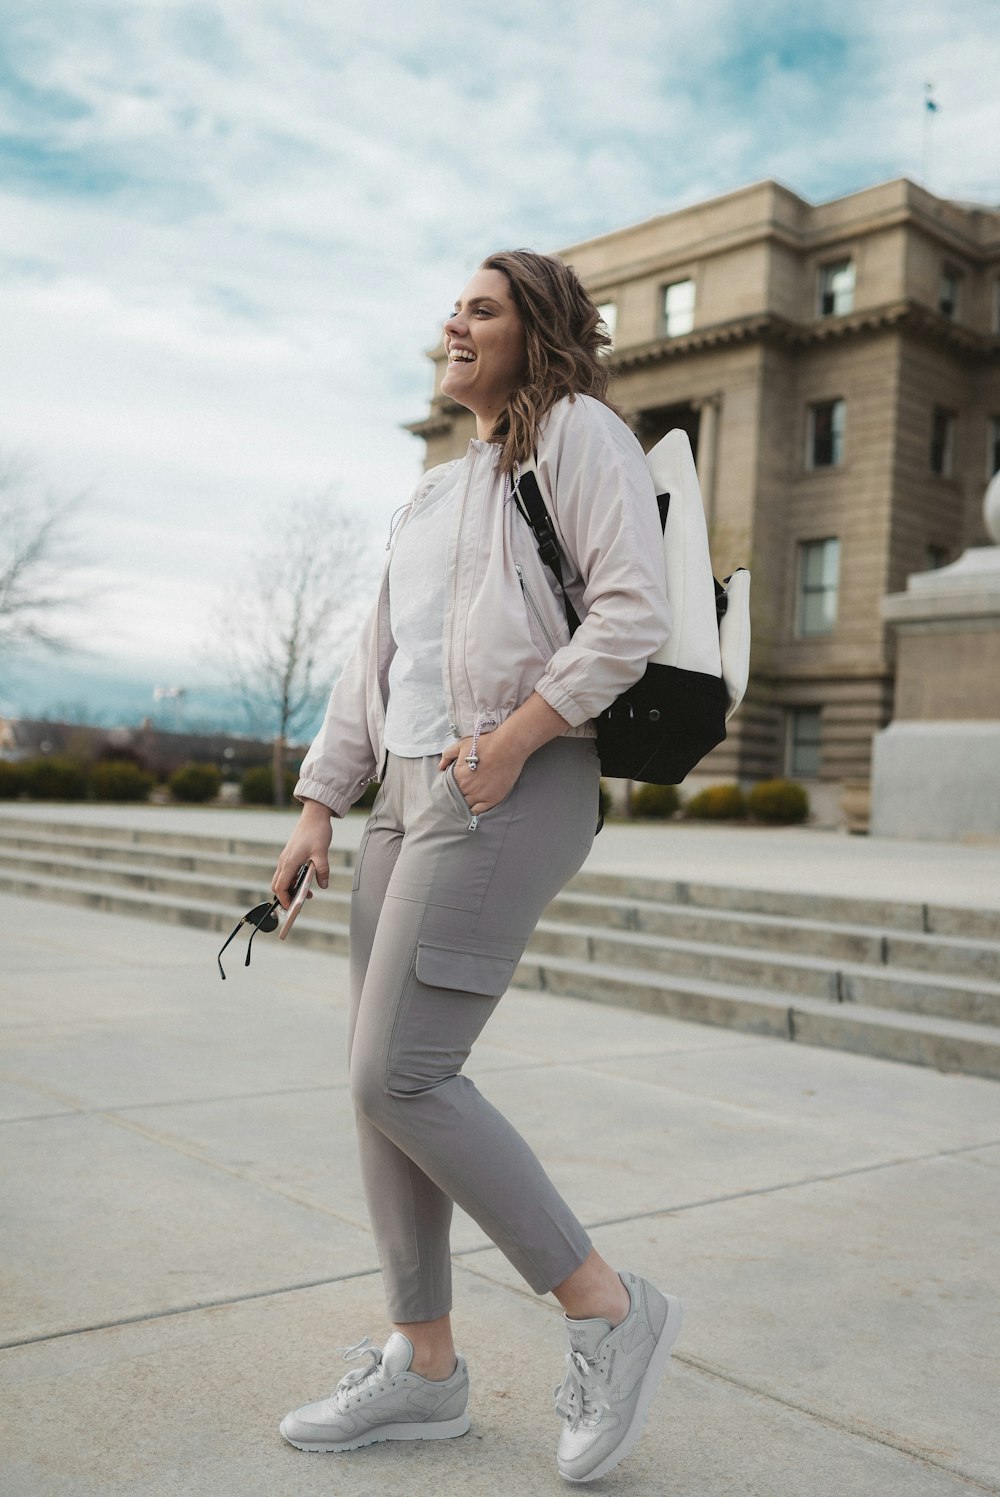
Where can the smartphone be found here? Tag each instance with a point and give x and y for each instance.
(299, 890)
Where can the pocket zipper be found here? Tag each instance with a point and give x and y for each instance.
(535, 609)
(458, 798)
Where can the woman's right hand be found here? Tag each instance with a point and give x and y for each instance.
(309, 843)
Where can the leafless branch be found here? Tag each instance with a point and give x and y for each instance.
(38, 563)
(288, 620)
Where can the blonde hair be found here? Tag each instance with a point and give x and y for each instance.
(564, 339)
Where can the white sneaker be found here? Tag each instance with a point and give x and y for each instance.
(383, 1400)
(611, 1376)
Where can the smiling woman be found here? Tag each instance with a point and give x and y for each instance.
(484, 339)
(470, 701)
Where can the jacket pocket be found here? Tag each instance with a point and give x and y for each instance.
(535, 611)
(451, 967)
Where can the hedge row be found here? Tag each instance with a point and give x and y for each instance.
(777, 802)
(62, 779)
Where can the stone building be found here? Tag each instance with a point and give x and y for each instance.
(837, 367)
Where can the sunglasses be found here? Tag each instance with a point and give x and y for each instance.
(263, 917)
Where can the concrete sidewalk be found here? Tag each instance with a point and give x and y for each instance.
(184, 1241)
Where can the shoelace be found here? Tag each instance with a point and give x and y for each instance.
(580, 1397)
(350, 1386)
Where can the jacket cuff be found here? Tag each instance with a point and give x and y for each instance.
(559, 700)
(335, 801)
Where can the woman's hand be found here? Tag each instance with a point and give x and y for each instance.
(310, 842)
(502, 753)
(500, 764)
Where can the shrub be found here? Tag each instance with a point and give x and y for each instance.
(195, 783)
(778, 801)
(717, 803)
(257, 785)
(54, 779)
(11, 780)
(119, 779)
(661, 801)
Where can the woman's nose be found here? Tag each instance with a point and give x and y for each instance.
(456, 325)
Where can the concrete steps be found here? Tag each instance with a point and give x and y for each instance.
(912, 982)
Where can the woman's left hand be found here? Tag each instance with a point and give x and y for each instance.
(498, 770)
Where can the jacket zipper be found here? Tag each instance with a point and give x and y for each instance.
(453, 704)
(535, 609)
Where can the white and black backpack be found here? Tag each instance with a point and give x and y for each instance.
(660, 728)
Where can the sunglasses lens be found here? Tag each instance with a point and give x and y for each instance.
(262, 917)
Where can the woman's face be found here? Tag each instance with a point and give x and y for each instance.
(484, 340)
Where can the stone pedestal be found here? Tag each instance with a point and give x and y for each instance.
(936, 768)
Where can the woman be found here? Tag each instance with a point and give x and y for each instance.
(466, 695)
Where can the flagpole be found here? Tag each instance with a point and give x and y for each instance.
(930, 108)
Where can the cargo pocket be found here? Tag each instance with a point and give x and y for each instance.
(452, 967)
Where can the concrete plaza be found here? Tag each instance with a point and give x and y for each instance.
(184, 1241)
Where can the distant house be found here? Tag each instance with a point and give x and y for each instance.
(155, 749)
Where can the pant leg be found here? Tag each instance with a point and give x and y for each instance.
(395, 1187)
(458, 909)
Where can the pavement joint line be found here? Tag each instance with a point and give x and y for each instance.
(763, 1190)
(188, 1151)
(527, 1063)
(846, 1426)
(150, 1317)
(464, 1253)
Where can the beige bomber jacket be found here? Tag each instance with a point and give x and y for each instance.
(505, 630)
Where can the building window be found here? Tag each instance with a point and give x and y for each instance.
(951, 285)
(804, 739)
(993, 456)
(942, 441)
(826, 433)
(819, 583)
(678, 308)
(608, 313)
(836, 289)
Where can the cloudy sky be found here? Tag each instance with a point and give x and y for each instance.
(229, 232)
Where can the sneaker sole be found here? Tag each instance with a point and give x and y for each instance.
(650, 1383)
(444, 1429)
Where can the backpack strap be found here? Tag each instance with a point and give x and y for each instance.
(528, 497)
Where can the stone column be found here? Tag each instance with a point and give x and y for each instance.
(708, 447)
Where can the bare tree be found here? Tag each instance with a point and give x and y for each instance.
(38, 561)
(289, 618)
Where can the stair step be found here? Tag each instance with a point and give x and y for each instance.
(906, 981)
(948, 1044)
(253, 864)
(975, 1000)
(247, 884)
(873, 944)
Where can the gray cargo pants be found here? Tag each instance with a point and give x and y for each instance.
(439, 918)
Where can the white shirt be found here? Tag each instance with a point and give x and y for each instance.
(416, 719)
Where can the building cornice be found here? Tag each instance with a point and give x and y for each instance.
(769, 328)
(440, 421)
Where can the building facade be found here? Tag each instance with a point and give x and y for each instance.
(837, 367)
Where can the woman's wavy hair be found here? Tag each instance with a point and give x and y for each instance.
(566, 342)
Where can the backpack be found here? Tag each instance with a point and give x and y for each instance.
(660, 728)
